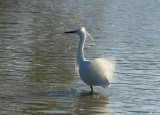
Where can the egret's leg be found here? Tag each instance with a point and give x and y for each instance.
(91, 88)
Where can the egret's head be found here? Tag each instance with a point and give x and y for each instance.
(82, 32)
(78, 31)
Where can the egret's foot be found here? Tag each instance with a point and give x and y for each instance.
(91, 89)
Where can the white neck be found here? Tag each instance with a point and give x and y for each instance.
(80, 55)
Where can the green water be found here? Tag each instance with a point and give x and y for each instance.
(37, 59)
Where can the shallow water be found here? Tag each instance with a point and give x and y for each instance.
(37, 58)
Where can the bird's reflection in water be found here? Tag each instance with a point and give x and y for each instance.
(84, 102)
(87, 103)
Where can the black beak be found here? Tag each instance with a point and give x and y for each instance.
(70, 32)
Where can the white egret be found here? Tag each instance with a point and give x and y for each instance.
(95, 72)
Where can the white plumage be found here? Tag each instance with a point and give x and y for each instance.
(95, 72)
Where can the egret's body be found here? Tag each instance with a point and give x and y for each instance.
(95, 72)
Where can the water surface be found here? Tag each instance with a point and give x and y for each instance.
(37, 58)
